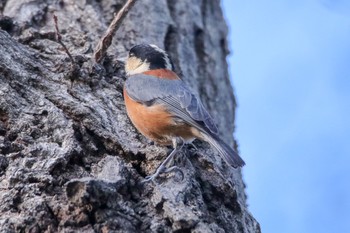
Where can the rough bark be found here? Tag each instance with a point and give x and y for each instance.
(70, 160)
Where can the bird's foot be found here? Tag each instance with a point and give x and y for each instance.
(178, 144)
(154, 176)
(163, 171)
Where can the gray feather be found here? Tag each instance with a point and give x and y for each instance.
(229, 155)
(175, 95)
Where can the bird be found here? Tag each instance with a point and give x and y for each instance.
(164, 109)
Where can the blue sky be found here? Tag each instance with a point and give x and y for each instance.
(290, 68)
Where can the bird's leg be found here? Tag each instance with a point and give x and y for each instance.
(178, 144)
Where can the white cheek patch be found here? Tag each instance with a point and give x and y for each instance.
(136, 66)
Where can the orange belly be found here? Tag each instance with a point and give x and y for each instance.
(155, 123)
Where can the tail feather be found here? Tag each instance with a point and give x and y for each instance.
(227, 153)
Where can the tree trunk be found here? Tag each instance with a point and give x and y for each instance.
(70, 160)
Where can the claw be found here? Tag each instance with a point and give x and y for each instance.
(148, 179)
(176, 169)
(159, 170)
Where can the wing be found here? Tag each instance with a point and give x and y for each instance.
(173, 94)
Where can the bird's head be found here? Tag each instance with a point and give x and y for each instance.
(144, 57)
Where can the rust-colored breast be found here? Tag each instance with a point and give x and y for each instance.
(154, 121)
(162, 73)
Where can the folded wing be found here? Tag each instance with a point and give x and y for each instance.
(175, 96)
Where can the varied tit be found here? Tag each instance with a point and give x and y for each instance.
(164, 109)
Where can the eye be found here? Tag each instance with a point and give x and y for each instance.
(131, 54)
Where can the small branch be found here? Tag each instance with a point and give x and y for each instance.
(106, 40)
(59, 40)
(74, 72)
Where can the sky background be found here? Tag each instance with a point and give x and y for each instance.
(290, 68)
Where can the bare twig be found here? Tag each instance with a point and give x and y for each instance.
(74, 72)
(106, 40)
(59, 40)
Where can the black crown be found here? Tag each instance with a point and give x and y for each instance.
(156, 58)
